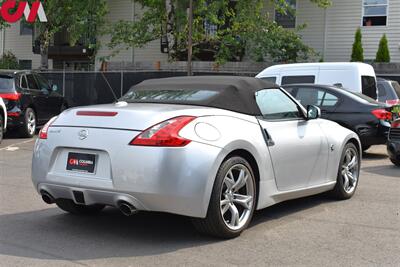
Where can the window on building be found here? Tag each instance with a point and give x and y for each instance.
(297, 79)
(25, 28)
(287, 20)
(375, 12)
(25, 64)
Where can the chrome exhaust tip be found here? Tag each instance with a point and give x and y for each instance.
(126, 208)
(47, 198)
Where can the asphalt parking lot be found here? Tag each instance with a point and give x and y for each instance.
(314, 231)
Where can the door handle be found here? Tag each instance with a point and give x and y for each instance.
(268, 138)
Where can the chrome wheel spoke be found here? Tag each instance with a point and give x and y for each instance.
(345, 182)
(234, 215)
(353, 163)
(243, 200)
(224, 206)
(241, 181)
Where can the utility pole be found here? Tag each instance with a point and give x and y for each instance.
(190, 40)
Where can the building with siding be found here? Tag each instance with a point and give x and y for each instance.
(329, 31)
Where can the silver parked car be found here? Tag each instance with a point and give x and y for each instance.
(212, 148)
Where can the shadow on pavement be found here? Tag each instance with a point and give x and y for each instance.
(391, 171)
(373, 156)
(51, 234)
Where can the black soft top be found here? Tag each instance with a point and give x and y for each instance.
(235, 93)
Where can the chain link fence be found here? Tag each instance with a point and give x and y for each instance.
(89, 88)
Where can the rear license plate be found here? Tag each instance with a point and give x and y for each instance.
(81, 162)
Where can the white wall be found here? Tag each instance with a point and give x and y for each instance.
(20, 45)
(343, 19)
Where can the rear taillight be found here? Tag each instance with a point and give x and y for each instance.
(164, 134)
(44, 131)
(97, 113)
(382, 114)
(396, 124)
(393, 102)
(11, 96)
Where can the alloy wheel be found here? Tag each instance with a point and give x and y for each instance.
(350, 170)
(237, 197)
(31, 123)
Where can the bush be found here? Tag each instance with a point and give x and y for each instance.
(383, 54)
(357, 54)
(9, 61)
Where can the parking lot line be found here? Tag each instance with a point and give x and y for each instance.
(13, 146)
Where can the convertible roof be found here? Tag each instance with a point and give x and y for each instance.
(235, 93)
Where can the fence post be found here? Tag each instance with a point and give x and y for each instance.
(63, 82)
(122, 82)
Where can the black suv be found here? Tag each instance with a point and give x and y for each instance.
(30, 100)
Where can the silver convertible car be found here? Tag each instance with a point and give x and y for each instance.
(211, 148)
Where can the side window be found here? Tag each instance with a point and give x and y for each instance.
(23, 83)
(276, 105)
(298, 79)
(271, 79)
(32, 82)
(42, 82)
(329, 100)
(309, 96)
(316, 97)
(369, 86)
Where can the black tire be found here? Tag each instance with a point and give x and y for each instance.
(25, 130)
(395, 162)
(214, 223)
(69, 206)
(339, 191)
(1, 128)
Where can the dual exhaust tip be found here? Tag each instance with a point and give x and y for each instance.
(126, 208)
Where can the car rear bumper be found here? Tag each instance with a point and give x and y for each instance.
(174, 180)
(370, 136)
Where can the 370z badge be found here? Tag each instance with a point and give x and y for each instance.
(81, 162)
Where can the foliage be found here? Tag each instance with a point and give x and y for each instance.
(9, 61)
(357, 54)
(238, 27)
(383, 54)
(78, 18)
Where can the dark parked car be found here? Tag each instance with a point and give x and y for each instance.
(388, 91)
(393, 145)
(30, 100)
(363, 115)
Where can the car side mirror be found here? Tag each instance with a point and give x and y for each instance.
(54, 88)
(313, 112)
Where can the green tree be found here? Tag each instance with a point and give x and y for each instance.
(383, 54)
(357, 54)
(237, 27)
(9, 61)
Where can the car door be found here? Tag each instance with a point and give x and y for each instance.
(53, 99)
(298, 147)
(39, 99)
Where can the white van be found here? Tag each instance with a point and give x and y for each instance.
(355, 77)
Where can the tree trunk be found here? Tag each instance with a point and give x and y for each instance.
(44, 50)
(170, 8)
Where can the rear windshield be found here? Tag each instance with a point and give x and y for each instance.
(168, 96)
(363, 98)
(6, 84)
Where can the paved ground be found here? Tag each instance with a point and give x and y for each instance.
(315, 231)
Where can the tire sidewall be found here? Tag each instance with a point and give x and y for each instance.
(214, 205)
(1, 128)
